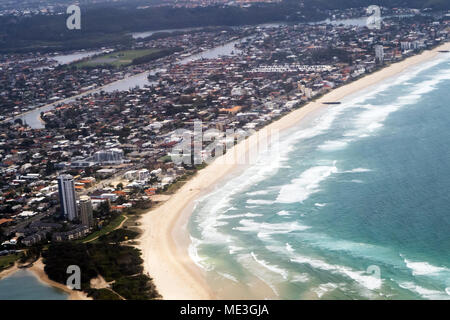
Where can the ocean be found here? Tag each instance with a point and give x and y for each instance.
(355, 205)
(23, 285)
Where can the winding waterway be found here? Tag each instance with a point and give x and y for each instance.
(32, 118)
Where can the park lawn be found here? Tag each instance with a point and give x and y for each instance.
(105, 230)
(7, 261)
(115, 59)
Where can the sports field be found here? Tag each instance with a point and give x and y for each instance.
(115, 59)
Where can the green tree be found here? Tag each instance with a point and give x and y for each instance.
(104, 208)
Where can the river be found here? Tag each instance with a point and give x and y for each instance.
(72, 57)
(23, 285)
(32, 118)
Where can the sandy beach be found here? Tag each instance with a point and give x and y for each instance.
(7, 272)
(38, 270)
(165, 240)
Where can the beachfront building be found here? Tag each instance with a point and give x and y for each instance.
(35, 238)
(379, 53)
(143, 175)
(74, 234)
(67, 197)
(86, 214)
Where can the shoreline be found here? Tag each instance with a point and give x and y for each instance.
(9, 271)
(37, 270)
(165, 239)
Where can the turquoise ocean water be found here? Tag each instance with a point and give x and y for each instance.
(355, 205)
(22, 285)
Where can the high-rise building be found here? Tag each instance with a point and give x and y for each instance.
(379, 53)
(111, 156)
(143, 174)
(86, 215)
(67, 197)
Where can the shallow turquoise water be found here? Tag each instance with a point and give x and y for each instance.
(355, 205)
(22, 285)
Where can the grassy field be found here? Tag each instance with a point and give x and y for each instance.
(105, 230)
(7, 261)
(115, 59)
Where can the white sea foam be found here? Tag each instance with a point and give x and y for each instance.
(259, 201)
(217, 202)
(308, 183)
(370, 252)
(332, 145)
(244, 215)
(269, 278)
(289, 247)
(424, 268)
(300, 277)
(368, 281)
(195, 257)
(283, 213)
(320, 204)
(209, 230)
(234, 249)
(265, 230)
(228, 276)
(274, 268)
(371, 120)
(424, 292)
(256, 193)
(282, 227)
(357, 170)
(324, 288)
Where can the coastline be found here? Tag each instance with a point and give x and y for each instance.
(9, 271)
(165, 239)
(37, 269)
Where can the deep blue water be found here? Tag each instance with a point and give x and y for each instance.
(355, 205)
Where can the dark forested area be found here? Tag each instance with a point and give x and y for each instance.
(117, 264)
(106, 25)
(416, 4)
